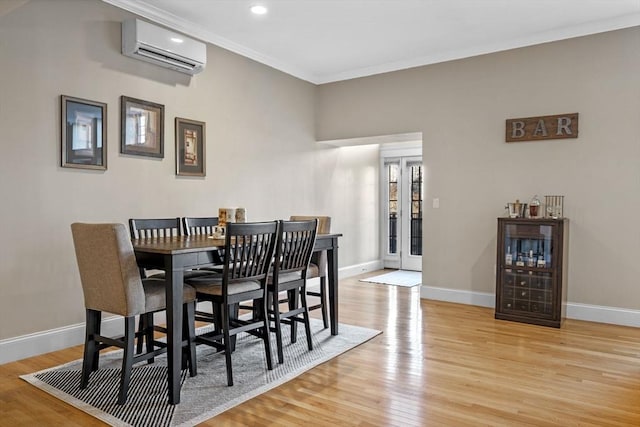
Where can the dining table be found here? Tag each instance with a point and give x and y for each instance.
(176, 254)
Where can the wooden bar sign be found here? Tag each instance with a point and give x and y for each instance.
(559, 126)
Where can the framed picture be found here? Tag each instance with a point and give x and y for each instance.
(142, 127)
(190, 147)
(84, 133)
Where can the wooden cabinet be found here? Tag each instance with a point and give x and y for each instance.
(531, 273)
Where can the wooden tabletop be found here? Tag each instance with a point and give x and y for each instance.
(185, 244)
(177, 244)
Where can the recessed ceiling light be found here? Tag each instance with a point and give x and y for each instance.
(258, 9)
(176, 40)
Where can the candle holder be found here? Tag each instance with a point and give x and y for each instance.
(554, 206)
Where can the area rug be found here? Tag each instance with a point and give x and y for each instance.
(397, 278)
(203, 396)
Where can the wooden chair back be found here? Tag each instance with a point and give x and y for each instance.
(249, 249)
(154, 227)
(294, 247)
(195, 226)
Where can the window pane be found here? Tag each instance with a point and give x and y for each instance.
(392, 177)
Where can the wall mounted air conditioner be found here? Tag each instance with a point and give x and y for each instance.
(159, 46)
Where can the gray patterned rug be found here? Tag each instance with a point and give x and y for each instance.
(202, 396)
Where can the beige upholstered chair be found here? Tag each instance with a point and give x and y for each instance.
(111, 283)
(291, 266)
(318, 266)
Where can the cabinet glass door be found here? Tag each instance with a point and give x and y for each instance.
(527, 279)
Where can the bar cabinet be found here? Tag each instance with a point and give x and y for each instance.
(531, 270)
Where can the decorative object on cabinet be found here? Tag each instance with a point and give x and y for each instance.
(554, 206)
(84, 133)
(534, 206)
(142, 127)
(517, 209)
(531, 275)
(190, 147)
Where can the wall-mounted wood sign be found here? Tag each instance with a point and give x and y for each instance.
(544, 127)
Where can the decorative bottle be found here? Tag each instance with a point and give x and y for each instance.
(508, 258)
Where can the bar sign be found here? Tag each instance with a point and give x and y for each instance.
(559, 126)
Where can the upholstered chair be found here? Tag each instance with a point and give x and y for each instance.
(111, 283)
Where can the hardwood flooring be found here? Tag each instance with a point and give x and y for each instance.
(436, 364)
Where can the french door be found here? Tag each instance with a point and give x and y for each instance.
(402, 241)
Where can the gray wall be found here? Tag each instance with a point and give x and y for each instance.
(261, 152)
(461, 107)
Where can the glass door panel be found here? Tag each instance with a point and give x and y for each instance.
(404, 184)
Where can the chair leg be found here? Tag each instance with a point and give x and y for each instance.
(217, 315)
(293, 295)
(265, 331)
(127, 358)
(305, 316)
(189, 334)
(227, 344)
(90, 346)
(278, 326)
(147, 320)
(323, 301)
(141, 334)
(234, 314)
(96, 354)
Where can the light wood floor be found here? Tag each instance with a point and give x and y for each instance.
(435, 364)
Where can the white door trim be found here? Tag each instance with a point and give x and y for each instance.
(392, 151)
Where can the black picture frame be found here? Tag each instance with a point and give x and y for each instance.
(142, 127)
(190, 147)
(83, 133)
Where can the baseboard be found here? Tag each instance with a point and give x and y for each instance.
(603, 314)
(590, 313)
(52, 340)
(461, 297)
(24, 346)
(354, 270)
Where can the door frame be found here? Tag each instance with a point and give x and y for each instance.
(393, 151)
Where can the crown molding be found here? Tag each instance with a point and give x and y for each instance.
(595, 27)
(181, 25)
(177, 23)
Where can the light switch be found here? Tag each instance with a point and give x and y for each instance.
(436, 203)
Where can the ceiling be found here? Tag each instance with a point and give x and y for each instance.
(323, 41)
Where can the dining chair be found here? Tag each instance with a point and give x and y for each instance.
(318, 267)
(150, 228)
(200, 225)
(111, 282)
(194, 226)
(203, 226)
(147, 228)
(291, 266)
(248, 255)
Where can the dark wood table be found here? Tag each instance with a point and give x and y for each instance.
(174, 255)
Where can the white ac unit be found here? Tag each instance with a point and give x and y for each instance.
(159, 46)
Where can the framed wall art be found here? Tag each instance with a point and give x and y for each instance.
(84, 133)
(190, 147)
(142, 127)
